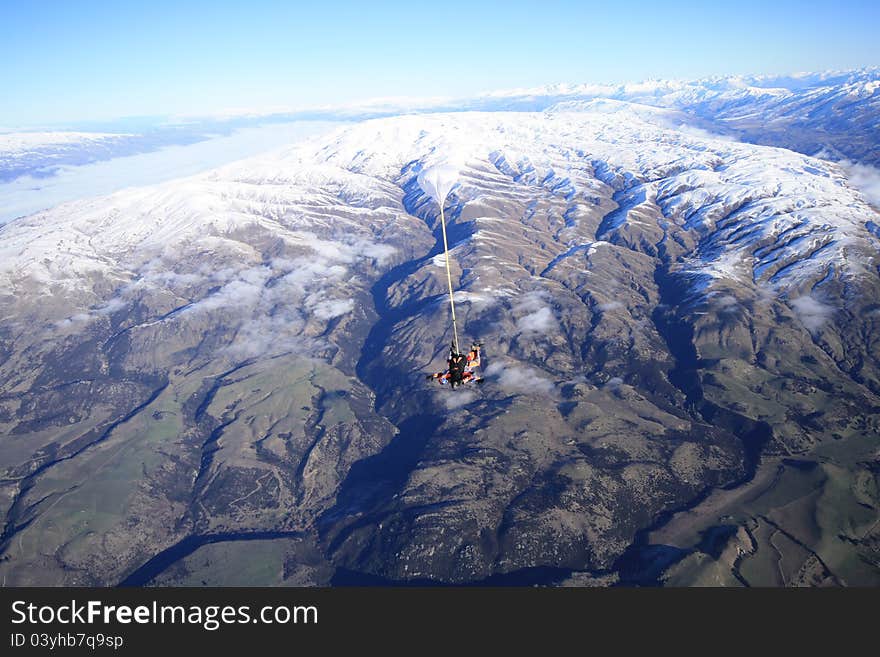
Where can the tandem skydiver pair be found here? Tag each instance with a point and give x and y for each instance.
(460, 367)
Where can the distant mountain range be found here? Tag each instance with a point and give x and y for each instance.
(833, 114)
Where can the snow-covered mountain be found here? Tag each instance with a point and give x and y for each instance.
(240, 354)
(832, 113)
(762, 216)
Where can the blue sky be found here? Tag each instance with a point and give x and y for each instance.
(80, 60)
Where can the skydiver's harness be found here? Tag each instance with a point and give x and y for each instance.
(457, 364)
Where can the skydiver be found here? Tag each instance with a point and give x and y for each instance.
(460, 367)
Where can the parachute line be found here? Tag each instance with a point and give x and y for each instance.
(437, 182)
(449, 278)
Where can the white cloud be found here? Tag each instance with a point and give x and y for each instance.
(78, 318)
(611, 305)
(479, 301)
(540, 321)
(454, 399)
(866, 179)
(111, 306)
(333, 308)
(303, 273)
(694, 131)
(326, 249)
(613, 383)
(346, 250)
(726, 304)
(276, 306)
(381, 253)
(269, 308)
(247, 290)
(813, 313)
(539, 317)
(519, 378)
(265, 334)
(158, 274)
(531, 301)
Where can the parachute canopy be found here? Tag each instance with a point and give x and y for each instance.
(437, 181)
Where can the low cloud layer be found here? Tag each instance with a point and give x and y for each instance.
(277, 303)
(346, 250)
(271, 307)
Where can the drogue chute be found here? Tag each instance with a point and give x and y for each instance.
(437, 181)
